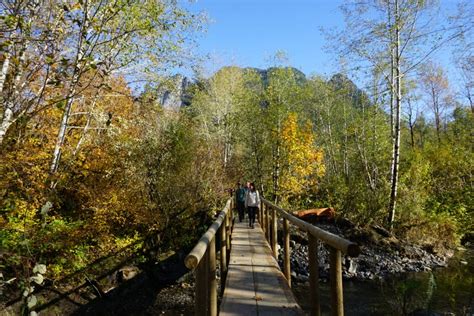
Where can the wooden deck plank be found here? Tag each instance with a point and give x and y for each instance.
(255, 285)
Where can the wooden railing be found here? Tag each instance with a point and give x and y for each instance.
(268, 217)
(202, 259)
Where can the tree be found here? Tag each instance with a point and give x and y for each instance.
(282, 95)
(216, 106)
(467, 75)
(391, 37)
(436, 87)
(350, 130)
(103, 39)
(109, 36)
(463, 25)
(252, 134)
(32, 32)
(302, 161)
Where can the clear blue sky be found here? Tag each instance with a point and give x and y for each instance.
(248, 32)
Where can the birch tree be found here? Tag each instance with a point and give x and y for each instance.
(107, 37)
(436, 87)
(216, 106)
(31, 30)
(251, 130)
(392, 37)
(282, 95)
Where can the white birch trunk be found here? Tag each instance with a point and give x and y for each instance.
(83, 135)
(7, 120)
(5, 67)
(69, 97)
(333, 161)
(345, 146)
(276, 164)
(8, 112)
(396, 144)
(62, 130)
(392, 86)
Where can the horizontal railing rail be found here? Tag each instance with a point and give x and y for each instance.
(202, 260)
(346, 246)
(268, 218)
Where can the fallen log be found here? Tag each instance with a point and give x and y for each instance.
(316, 213)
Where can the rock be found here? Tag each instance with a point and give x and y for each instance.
(378, 259)
(185, 278)
(468, 238)
(302, 278)
(344, 223)
(381, 231)
(126, 273)
(362, 236)
(429, 248)
(423, 312)
(173, 93)
(351, 266)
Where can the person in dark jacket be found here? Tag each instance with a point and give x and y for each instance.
(240, 201)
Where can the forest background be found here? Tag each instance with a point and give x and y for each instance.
(90, 164)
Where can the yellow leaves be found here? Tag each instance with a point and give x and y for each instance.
(122, 242)
(21, 216)
(303, 161)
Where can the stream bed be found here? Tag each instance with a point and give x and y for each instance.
(442, 291)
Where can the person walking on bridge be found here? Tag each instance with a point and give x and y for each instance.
(252, 203)
(240, 201)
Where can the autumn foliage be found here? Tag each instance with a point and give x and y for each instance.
(304, 163)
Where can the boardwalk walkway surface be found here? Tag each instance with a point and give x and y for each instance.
(255, 285)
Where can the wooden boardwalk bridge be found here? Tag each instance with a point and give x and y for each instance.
(251, 280)
(255, 285)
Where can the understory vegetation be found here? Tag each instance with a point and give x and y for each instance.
(90, 165)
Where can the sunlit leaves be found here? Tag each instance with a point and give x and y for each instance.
(303, 162)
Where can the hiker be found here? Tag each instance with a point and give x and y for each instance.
(240, 201)
(247, 186)
(252, 203)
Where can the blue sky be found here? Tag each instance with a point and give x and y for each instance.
(248, 33)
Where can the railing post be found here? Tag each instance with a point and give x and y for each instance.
(267, 224)
(337, 307)
(201, 287)
(275, 233)
(223, 256)
(212, 278)
(231, 214)
(314, 275)
(264, 222)
(287, 253)
(260, 213)
(228, 229)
